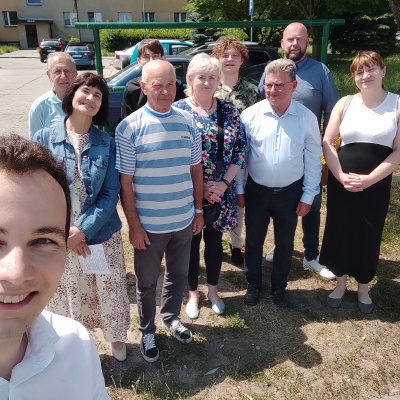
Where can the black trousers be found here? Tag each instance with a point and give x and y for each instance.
(262, 204)
(213, 254)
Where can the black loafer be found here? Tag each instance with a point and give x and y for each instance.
(279, 298)
(365, 308)
(252, 296)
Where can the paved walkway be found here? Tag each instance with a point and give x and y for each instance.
(108, 69)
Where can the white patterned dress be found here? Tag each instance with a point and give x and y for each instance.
(97, 301)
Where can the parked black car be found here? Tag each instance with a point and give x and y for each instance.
(50, 46)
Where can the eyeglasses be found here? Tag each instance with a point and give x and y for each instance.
(59, 72)
(278, 86)
(154, 56)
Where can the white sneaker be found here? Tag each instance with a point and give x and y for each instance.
(315, 266)
(270, 255)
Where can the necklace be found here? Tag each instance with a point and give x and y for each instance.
(206, 110)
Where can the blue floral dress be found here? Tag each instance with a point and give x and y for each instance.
(234, 153)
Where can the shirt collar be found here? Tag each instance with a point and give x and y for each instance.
(290, 110)
(301, 63)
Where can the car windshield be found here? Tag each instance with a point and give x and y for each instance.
(77, 48)
(52, 43)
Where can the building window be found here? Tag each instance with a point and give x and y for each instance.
(148, 17)
(34, 2)
(10, 18)
(70, 18)
(179, 17)
(94, 17)
(124, 17)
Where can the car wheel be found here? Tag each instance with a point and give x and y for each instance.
(42, 59)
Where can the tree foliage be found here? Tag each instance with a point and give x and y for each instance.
(368, 22)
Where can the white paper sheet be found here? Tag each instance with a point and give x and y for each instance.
(96, 263)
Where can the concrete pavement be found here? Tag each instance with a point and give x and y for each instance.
(108, 68)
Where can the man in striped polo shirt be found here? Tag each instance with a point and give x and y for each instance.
(158, 157)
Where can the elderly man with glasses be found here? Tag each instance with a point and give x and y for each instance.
(284, 167)
(47, 108)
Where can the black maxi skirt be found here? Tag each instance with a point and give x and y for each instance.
(354, 222)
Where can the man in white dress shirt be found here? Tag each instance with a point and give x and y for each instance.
(284, 150)
(43, 356)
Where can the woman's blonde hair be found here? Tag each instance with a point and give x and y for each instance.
(201, 63)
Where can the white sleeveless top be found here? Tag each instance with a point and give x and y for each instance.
(370, 125)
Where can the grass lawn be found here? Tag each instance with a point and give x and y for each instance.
(308, 351)
(8, 48)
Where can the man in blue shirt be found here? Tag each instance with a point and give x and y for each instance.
(47, 108)
(317, 91)
(283, 162)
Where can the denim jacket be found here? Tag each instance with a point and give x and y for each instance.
(99, 219)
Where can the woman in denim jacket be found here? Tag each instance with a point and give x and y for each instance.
(88, 154)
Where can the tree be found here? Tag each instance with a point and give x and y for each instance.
(395, 7)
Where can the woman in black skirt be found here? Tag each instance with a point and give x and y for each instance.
(360, 178)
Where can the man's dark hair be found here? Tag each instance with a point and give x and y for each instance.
(92, 80)
(152, 44)
(21, 156)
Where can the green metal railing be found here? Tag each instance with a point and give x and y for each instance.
(96, 26)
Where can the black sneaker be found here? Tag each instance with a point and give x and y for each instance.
(148, 347)
(252, 296)
(237, 256)
(178, 330)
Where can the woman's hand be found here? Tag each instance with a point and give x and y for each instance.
(210, 193)
(355, 182)
(217, 188)
(77, 242)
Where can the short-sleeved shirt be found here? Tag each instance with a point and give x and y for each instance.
(45, 111)
(158, 149)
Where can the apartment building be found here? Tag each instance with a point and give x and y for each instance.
(28, 21)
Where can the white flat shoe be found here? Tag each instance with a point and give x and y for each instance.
(192, 310)
(120, 354)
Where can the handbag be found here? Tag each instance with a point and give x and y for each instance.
(336, 144)
(211, 212)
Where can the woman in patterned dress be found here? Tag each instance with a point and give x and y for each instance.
(97, 300)
(360, 177)
(233, 55)
(203, 77)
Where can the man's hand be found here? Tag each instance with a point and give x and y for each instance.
(240, 200)
(197, 223)
(303, 209)
(138, 238)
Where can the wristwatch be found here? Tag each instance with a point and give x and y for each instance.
(197, 211)
(226, 182)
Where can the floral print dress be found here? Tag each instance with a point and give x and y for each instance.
(234, 153)
(97, 301)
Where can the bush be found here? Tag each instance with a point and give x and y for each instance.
(118, 39)
(73, 40)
